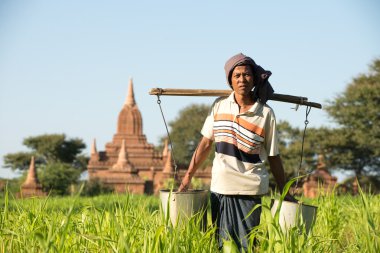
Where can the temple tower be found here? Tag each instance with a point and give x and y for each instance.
(31, 187)
(128, 160)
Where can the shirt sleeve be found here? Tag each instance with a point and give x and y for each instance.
(208, 127)
(271, 135)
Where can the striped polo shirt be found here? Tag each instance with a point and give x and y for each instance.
(243, 141)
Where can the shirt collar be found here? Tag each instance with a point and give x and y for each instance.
(254, 109)
(231, 97)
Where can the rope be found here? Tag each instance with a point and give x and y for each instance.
(167, 131)
(308, 109)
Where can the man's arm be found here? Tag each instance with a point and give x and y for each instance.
(277, 169)
(199, 156)
(278, 172)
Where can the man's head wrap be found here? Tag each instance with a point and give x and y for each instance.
(262, 89)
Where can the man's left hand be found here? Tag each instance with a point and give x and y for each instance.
(290, 198)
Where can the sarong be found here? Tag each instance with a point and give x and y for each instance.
(229, 214)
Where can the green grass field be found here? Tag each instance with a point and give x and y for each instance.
(131, 223)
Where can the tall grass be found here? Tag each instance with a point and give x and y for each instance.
(131, 223)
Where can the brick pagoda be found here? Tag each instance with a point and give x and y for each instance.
(129, 162)
(31, 187)
(320, 179)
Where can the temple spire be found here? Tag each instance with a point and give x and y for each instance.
(31, 179)
(168, 164)
(131, 95)
(122, 161)
(31, 187)
(166, 149)
(93, 148)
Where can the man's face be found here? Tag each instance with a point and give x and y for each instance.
(242, 80)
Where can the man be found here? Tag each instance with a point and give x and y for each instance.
(244, 130)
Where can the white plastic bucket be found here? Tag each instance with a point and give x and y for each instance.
(183, 205)
(294, 214)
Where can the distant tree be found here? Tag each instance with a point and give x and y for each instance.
(48, 148)
(58, 160)
(19, 160)
(369, 184)
(57, 177)
(290, 139)
(95, 187)
(185, 132)
(290, 147)
(355, 144)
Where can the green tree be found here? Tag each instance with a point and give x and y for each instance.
(185, 132)
(95, 187)
(58, 160)
(19, 160)
(48, 148)
(290, 145)
(57, 177)
(355, 144)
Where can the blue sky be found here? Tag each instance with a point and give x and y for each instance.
(65, 65)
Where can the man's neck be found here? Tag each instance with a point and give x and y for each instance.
(245, 102)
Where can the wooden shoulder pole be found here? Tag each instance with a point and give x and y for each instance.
(224, 93)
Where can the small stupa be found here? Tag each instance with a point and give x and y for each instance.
(31, 187)
(319, 180)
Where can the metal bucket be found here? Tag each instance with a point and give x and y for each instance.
(183, 205)
(294, 214)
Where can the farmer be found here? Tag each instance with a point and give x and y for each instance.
(244, 130)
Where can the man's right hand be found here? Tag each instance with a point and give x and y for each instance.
(184, 186)
(199, 156)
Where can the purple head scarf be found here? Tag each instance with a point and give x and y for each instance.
(262, 89)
